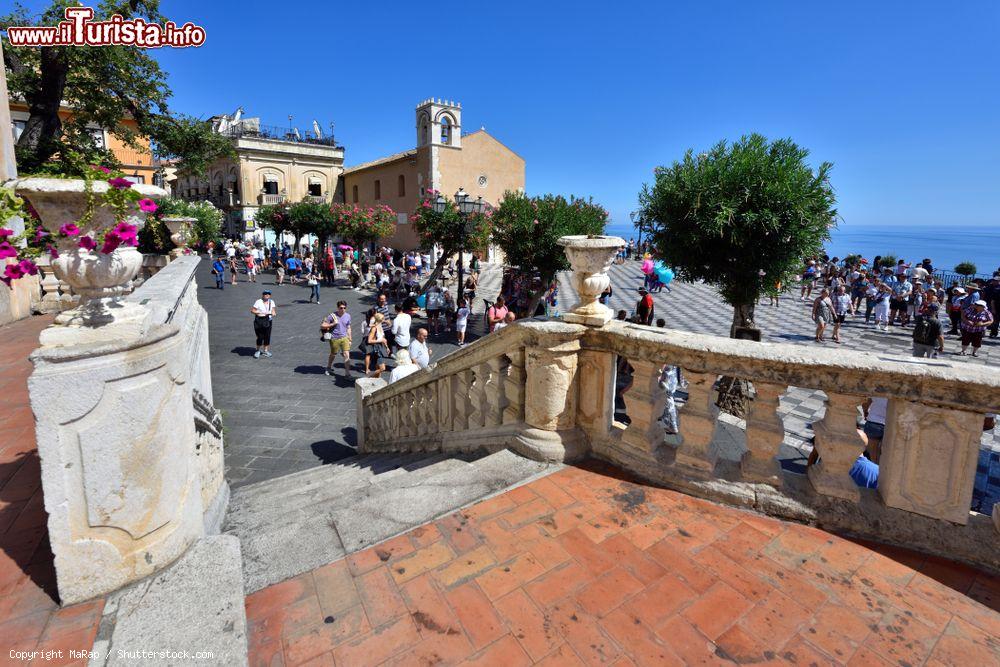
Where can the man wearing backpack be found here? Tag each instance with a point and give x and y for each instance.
(927, 335)
(496, 314)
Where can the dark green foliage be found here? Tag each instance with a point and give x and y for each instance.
(965, 269)
(740, 216)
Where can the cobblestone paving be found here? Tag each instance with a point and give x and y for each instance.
(283, 414)
(697, 307)
(30, 616)
(581, 567)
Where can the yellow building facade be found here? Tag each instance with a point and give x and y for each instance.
(444, 160)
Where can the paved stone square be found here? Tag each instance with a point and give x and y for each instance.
(586, 567)
(283, 414)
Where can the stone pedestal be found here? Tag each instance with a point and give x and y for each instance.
(928, 462)
(590, 257)
(550, 403)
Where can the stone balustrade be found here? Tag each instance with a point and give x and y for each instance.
(547, 390)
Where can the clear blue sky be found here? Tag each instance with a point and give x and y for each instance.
(903, 97)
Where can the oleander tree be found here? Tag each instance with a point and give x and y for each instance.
(103, 85)
(361, 225)
(274, 217)
(741, 217)
(527, 229)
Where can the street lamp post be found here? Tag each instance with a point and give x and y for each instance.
(467, 210)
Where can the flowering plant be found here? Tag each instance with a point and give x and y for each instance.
(120, 198)
(363, 224)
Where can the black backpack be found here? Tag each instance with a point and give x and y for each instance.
(923, 332)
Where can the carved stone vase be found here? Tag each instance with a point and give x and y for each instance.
(590, 257)
(100, 280)
(180, 234)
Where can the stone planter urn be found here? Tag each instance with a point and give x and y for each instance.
(100, 280)
(590, 257)
(180, 234)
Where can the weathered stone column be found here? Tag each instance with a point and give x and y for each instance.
(838, 445)
(644, 403)
(929, 457)
(550, 403)
(697, 422)
(363, 388)
(513, 388)
(765, 432)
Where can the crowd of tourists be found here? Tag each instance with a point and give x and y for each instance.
(900, 295)
(388, 334)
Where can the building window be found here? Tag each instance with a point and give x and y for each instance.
(315, 189)
(98, 136)
(270, 187)
(402, 185)
(135, 178)
(354, 193)
(378, 189)
(445, 130)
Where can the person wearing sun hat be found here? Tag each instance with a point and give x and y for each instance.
(955, 309)
(975, 320)
(263, 310)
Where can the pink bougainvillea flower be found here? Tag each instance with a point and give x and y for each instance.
(87, 243)
(100, 168)
(6, 232)
(28, 267)
(7, 250)
(13, 271)
(147, 205)
(40, 234)
(69, 229)
(111, 242)
(120, 183)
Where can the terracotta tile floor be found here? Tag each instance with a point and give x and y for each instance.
(30, 617)
(586, 567)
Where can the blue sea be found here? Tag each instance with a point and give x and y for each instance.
(945, 245)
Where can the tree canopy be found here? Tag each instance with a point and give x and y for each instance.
(740, 216)
(101, 85)
(527, 230)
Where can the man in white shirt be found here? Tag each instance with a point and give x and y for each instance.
(419, 353)
(401, 328)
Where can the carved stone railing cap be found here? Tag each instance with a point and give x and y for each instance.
(962, 386)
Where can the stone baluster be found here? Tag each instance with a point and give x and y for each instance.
(421, 410)
(462, 388)
(838, 444)
(494, 393)
(697, 425)
(929, 458)
(597, 392)
(476, 397)
(644, 403)
(445, 404)
(513, 388)
(765, 432)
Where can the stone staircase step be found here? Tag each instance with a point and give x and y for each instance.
(250, 503)
(393, 507)
(196, 604)
(309, 530)
(323, 491)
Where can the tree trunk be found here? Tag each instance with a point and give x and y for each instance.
(39, 141)
(734, 393)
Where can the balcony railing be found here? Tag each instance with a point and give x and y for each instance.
(269, 200)
(316, 199)
(275, 133)
(547, 389)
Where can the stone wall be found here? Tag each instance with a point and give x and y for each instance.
(121, 441)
